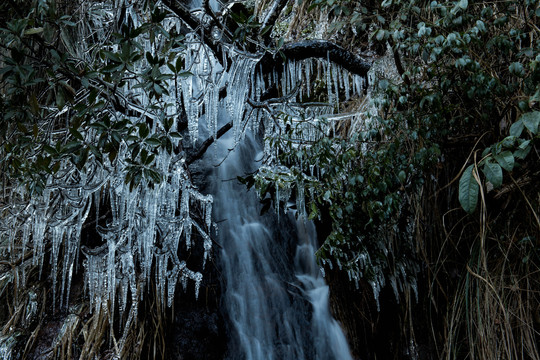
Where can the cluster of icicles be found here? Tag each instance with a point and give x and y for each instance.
(141, 229)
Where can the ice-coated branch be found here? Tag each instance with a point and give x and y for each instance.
(185, 15)
(272, 15)
(206, 144)
(320, 49)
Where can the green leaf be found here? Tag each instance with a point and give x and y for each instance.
(76, 134)
(523, 150)
(505, 159)
(516, 69)
(516, 128)
(153, 141)
(265, 29)
(113, 56)
(33, 31)
(402, 176)
(143, 130)
(463, 4)
(184, 74)
(493, 173)
(468, 190)
(531, 121)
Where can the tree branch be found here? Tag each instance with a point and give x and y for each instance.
(194, 23)
(397, 61)
(206, 144)
(320, 49)
(271, 16)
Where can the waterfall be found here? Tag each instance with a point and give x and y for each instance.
(93, 223)
(277, 302)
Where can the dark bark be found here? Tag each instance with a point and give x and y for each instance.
(206, 144)
(320, 49)
(298, 51)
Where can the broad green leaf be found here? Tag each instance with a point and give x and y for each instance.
(463, 4)
(185, 74)
(493, 173)
(531, 121)
(112, 56)
(516, 69)
(33, 31)
(76, 134)
(517, 128)
(468, 190)
(505, 159)
(523, 150)
(153, 141)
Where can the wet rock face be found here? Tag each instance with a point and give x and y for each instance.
(198, 330)
(197, 334)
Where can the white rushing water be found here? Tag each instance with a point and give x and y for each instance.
(277, 303)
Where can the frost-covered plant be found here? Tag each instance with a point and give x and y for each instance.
(93, 170)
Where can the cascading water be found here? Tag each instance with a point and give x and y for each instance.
(277, 304)
(277, 301)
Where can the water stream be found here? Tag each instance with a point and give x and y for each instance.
(275, 297)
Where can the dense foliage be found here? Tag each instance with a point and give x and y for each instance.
(464, 105)
(53, 95)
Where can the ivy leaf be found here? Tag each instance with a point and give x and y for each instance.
(517, 128)
(531, 121)
(505, 159)
(468, 190)
(493, 173)
(516, 69)
(463, 4)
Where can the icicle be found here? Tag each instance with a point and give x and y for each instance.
(211, 100)
(300, 200)
(57, 234)
(308, 70)
(208, 213)
(38, 235)
(187, 231)
(172, 279)
(239, 85)
(346, 85)
(111, 274)
(328, 74)
(198, 279)
(335, 82)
